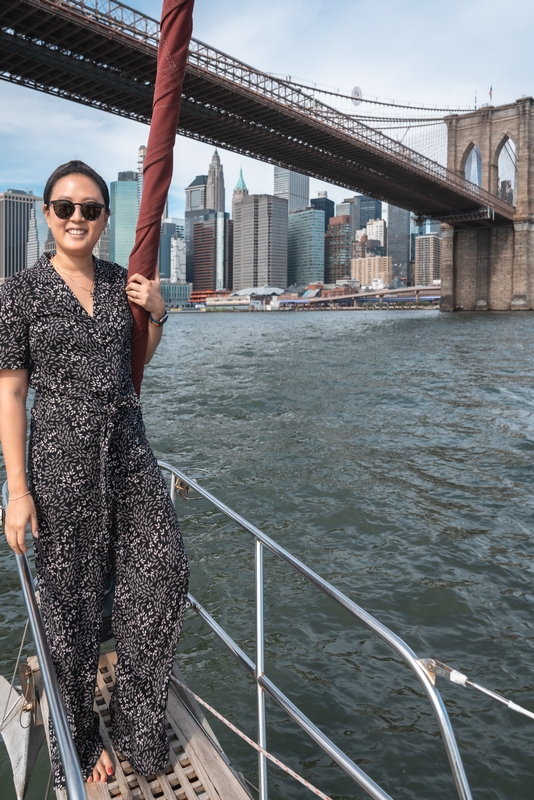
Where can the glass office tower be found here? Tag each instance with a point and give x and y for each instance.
(123, 219)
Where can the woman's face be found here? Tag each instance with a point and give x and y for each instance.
(75, 237)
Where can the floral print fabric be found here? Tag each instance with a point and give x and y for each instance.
(102, 505)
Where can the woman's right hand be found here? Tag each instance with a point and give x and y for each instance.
(19, 513)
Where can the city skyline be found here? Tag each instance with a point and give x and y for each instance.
(315, 248)
(31, 152)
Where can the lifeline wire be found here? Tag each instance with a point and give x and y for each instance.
(13, 678)
(454, 676)
(252, 743)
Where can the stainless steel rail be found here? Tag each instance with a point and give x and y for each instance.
(69, 756)
(180, 479)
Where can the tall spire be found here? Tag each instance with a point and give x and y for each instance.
(215, 186)
(241, 185)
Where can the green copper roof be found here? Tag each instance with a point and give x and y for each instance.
(241, 186)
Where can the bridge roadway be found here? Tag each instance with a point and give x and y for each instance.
(103, 54)
(419, 292)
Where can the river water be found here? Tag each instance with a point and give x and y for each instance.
(391, 451)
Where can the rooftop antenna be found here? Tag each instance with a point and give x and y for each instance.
(475, 99)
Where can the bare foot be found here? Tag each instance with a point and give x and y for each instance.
(103, 768)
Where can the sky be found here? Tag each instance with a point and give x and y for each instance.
(418, 52)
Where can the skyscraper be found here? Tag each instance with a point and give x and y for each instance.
(195, 194)
(293, 187)
(322, 203)
(427, 261)
(399, 240)
(169, 229)
(305, 247)
(141, 155)
(338, 251)
(371, 268)
(15, 211)
(355, 203)
(260, 241)
(50, 244)
(212, 252)
(240, 192)
(123, 218)
(177, 259)
(350, 207)
(101, 248)
(215, 198)
(369, 209)
(195, 210)
(377, 230)
(37, 234)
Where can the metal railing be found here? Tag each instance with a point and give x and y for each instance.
(181, 483)
(69, 756)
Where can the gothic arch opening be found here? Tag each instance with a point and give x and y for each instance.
(507, 171)
(473, 165)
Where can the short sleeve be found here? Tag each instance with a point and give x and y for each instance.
(14, 334)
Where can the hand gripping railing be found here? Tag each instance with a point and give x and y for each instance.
(180, 482)
(69, 756)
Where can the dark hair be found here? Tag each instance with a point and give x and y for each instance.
(75, 168)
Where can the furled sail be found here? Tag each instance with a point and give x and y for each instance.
(175, 34)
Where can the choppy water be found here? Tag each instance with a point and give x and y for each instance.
(391, 451)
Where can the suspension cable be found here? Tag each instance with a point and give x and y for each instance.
(375, 102)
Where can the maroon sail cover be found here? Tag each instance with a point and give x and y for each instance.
(175, 34)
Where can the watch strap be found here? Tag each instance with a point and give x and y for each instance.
(158, 322)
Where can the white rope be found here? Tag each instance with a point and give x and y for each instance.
(6, 713)
(252, 743)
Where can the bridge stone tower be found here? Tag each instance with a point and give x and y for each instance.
(491, 267)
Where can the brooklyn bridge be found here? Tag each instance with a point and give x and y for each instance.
(103, 54)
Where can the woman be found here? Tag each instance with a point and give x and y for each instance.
(93, 494)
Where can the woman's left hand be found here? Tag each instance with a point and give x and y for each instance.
(147, 294)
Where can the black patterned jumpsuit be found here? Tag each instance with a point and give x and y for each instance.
(102, 504)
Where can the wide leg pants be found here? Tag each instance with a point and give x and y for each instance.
(102, 505)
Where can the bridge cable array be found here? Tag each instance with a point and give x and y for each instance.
(377, 102)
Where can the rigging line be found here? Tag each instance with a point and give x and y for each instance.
(48, 785)
(252, 743)
(454, 676)
(375, 102)
(13, 678)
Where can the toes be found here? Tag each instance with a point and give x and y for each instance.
(103, 769)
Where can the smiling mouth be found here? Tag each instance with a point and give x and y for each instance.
(76, 232)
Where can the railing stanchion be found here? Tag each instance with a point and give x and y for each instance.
(260, 666)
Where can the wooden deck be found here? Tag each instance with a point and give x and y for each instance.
(198, 768)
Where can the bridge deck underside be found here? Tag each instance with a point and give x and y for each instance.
(59, 51)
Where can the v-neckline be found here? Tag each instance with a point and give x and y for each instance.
(71, 293)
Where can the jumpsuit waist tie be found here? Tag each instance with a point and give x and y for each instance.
(110, 410)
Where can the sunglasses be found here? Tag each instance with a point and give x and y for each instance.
(64, 209)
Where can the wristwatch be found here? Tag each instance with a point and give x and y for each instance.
(158, 322)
